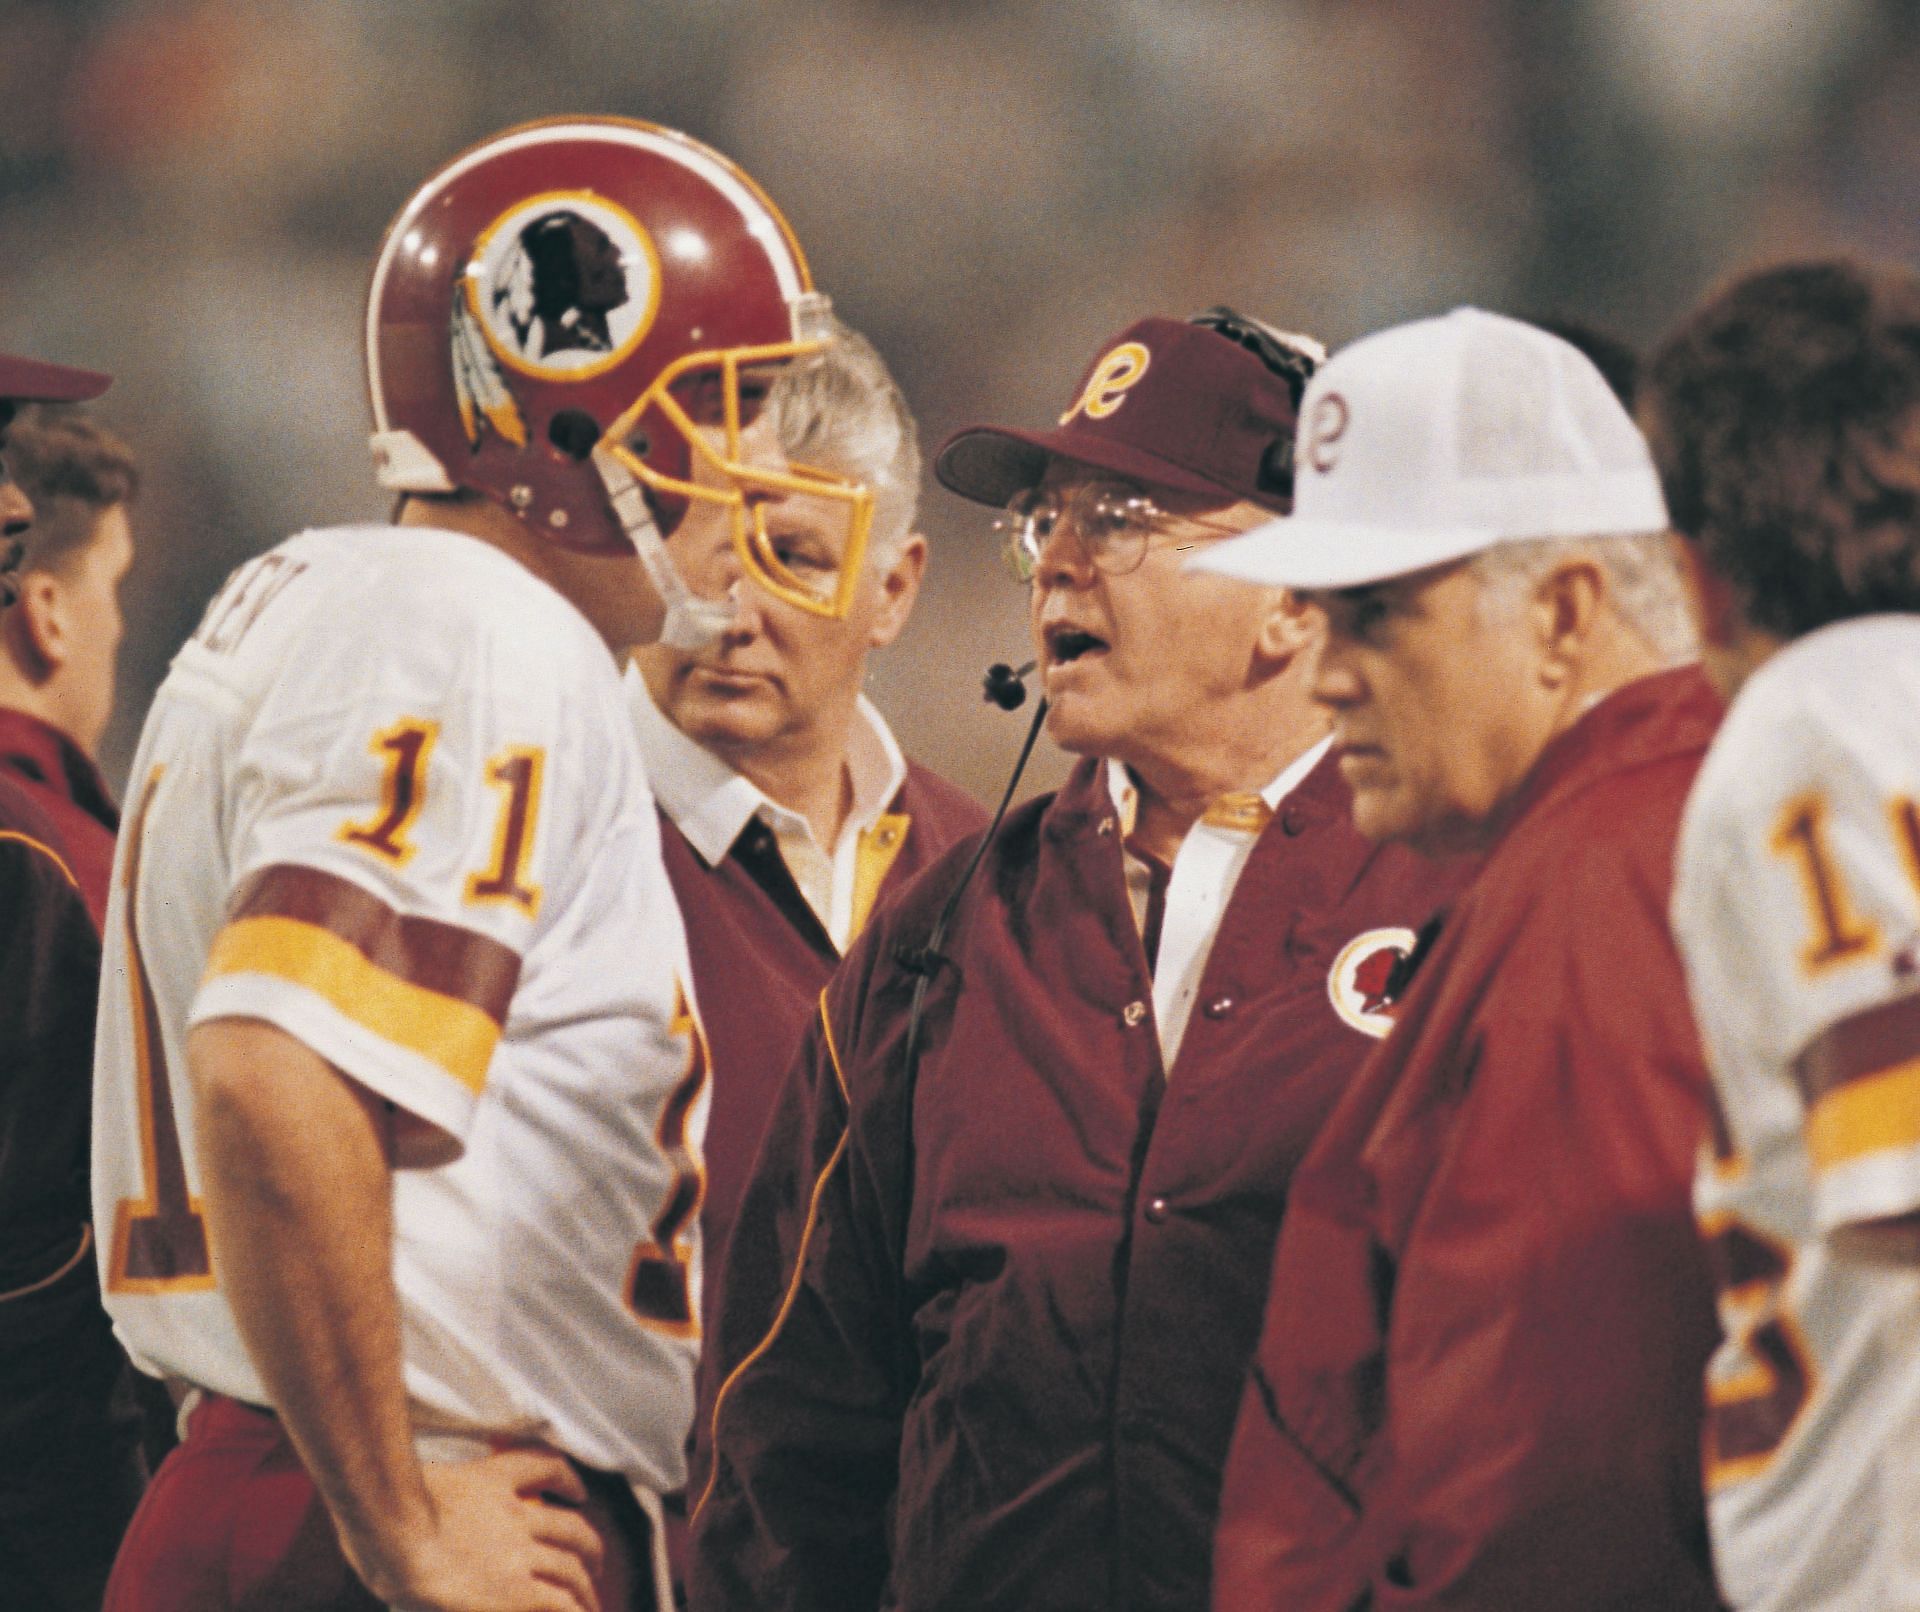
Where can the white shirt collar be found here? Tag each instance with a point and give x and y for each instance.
(1126, 794)
(710, 803)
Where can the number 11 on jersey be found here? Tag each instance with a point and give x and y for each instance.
(160, 1240)
(659, 1285)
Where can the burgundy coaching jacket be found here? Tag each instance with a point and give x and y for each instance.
(62, 781)
(1479, 1384)
(49, 993)
(56, 858)
(1019, 1287)
(760, 957)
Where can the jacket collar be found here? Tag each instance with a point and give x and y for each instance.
(1664, 714)
(1307, 791)
(1251, 810)
(40, 752)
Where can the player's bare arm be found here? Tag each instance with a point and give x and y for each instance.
(296, 1161)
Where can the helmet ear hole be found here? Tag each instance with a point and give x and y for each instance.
(574, 432)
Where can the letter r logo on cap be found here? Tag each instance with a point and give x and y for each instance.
(1112, 378)
(1326, 425)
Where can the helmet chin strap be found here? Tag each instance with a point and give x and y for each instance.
(691, 622)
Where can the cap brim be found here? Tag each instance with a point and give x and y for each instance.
(989, 464)
(1294, 553)
(28, 380)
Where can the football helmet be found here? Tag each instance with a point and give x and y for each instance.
(576, 319)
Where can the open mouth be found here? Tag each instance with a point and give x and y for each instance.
(1066, 645)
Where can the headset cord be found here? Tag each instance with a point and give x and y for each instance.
(921, 961)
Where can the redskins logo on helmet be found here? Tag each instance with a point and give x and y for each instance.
(564, 286)
(1359, 981)
(576, 319)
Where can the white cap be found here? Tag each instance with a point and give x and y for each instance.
(1437, 439)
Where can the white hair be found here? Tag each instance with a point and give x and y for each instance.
(1642, 578)
(841, 410)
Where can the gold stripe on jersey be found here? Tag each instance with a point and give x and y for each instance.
(1870, 1114)
(1861, 1082)
(455, 1035)
(1865, 1043)
(445, 958)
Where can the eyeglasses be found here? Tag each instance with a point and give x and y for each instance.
(1113, 523)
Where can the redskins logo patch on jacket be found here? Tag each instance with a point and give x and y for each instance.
(1361, 982)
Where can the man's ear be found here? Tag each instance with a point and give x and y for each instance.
(899, 587)
(1289, 626)
(43, 625)
(1566, 604)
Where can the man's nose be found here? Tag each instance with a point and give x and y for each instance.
(1336, 683)
(16, 514)
(1062, 558)
(704, 550)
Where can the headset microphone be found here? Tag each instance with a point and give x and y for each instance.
(1005, 686)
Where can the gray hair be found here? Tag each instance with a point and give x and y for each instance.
(842, 411)
(1643, 583)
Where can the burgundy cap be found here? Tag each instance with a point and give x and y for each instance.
(28, 380)
(1166, 403)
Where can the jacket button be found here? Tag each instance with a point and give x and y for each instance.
(1156, 1210)
(1292, 820)
(1133, 1013)
(1219, 1007)
(1106, 825)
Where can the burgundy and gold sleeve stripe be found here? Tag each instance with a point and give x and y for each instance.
(433, 988)
(1861, 1082)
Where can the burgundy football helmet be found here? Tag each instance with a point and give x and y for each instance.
(575, 319)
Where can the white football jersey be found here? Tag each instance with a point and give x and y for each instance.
(1797, 910)
(388, 799)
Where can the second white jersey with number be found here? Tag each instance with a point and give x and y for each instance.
(1797, 910)
(388, 800)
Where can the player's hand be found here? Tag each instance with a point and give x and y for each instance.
(497, 1545)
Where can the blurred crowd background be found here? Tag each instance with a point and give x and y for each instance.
(192, 191)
